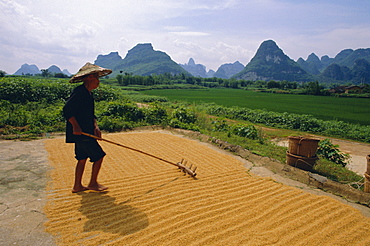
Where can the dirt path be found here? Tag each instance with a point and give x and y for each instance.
(358, 153)
(23, 167)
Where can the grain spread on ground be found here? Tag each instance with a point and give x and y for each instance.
(150, 202)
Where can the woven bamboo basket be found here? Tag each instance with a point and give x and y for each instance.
(301, 162)
(367, 183)
(306, 147)
(367, 176)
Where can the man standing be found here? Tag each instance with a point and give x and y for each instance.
(80, 115)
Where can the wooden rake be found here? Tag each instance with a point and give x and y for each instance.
(181, 165)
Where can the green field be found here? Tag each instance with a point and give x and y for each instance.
(351, 110)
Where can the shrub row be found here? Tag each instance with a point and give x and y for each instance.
(241, 130)
(31, 117)
(20, 90)
(306, 123)
(19, 109)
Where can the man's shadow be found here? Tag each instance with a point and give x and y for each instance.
(105, 215)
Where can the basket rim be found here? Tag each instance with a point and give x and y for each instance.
(303, 138)
(302, 157)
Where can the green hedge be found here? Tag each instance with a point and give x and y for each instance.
(22, 90)
(30, 104)
(306, 123)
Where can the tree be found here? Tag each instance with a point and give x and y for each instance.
(234, 84)
(45, 73)
(61, 75)
(190, 80)
(198, 81)
(366, 88)
(126, 80)
(313, 88)
(273, 84)
(260, 84)
(119, 78)
(2, 73)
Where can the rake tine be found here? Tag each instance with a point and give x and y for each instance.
(181, 165)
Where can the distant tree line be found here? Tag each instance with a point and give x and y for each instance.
(310, 88)
(46, 73)
(127, 79)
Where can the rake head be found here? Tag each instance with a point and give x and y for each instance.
(188, 170)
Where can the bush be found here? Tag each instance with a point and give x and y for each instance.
(17, 90)
(31, 117)
(114, 124)
(220, 126)
(105, 93)
(156, 115)
(332, 153)
(183, 118)
(176, 123)
(20, 90)
(285, 120)
(183, 115)
(127, 111)
(247, 131)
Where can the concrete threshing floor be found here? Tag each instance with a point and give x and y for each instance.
(151, 203)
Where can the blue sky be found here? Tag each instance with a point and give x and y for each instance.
(69, 33)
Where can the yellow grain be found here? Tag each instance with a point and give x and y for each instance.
(152, 203)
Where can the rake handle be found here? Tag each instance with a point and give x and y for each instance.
(127, 147)
(179, 164)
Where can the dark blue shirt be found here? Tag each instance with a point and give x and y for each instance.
(80, 105)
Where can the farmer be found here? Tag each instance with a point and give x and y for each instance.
(79, 113)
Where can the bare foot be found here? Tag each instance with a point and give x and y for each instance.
(97, 187)
(75, 190)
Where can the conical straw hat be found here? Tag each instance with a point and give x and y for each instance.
(87, 69)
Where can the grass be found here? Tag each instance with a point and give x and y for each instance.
(263, 146)
(32, 118)
(336, 172)
(351, 110)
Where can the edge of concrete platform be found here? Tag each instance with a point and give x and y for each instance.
(311, 179)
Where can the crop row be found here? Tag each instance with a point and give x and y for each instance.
(36, 104)
(306, 123)
(19, 90)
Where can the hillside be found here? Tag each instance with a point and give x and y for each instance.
(348, 66)
(197, 70)
(312, 65)
(359, 74)
(140, 60)
(227, 70)
(108, 61)
(270, 63)
(26, 69)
